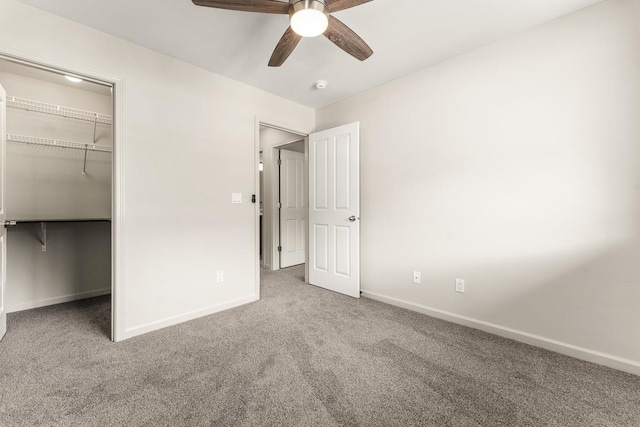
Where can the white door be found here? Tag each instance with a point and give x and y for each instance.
(334, 209)
(3, 234)
(293, 212)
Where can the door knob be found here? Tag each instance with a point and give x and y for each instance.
(352, 218)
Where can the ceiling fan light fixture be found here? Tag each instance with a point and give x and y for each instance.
(309, 18)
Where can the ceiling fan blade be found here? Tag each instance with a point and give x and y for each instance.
(285, 46)
(263, 6)
(338, 5)
(344, 37)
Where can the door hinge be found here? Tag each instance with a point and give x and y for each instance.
(10, 224)
(279, 248)
(279, 205)
(279, 162)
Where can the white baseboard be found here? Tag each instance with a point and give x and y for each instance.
(174, 320)
(609, 360)
(57, 300)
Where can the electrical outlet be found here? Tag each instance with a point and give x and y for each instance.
(460, 286)
(220, 276)
(417, 277)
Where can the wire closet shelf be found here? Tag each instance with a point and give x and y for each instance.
(34, 140)
(58, 110)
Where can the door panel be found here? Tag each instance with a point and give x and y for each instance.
(3, 233)
(343, 173)
(293, 211)
(334, 215)
(343, 250)
(321, 249)
(320, 151)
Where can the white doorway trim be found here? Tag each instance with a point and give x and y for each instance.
(273, 124)
(118, 178)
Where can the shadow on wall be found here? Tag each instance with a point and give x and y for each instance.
(595, 301)
(75, 264)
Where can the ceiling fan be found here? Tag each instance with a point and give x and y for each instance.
(307, 18)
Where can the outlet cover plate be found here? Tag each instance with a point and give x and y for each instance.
(417, 277)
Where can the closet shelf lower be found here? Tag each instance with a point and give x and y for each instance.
(58, 110)
(34, 140)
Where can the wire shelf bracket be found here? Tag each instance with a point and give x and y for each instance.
(43, 227)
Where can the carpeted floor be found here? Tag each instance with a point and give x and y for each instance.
(301, 356)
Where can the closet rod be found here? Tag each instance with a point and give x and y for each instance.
(58, 110)
(33, 140)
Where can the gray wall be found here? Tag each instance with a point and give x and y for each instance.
(517, 168)
(76, 264)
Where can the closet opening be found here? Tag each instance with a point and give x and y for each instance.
(58, 191)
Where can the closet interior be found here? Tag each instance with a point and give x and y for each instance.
(58, 186)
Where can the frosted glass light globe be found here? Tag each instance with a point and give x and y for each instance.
(309, 22)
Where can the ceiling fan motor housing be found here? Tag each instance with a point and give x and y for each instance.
(297, 5)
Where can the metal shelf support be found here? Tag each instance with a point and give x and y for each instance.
(43, 240)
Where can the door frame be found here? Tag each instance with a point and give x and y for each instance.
(273, 124)
(117, 170)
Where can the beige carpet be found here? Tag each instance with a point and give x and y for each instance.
(301, 356)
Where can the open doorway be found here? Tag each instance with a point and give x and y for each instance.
(273, 142)
(58, 199)
(331, 198)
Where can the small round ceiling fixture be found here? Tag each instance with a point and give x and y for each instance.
(321, 84)
(309, 18)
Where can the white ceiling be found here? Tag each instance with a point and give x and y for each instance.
(405, 35)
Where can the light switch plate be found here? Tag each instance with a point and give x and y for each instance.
(236, 197)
